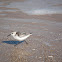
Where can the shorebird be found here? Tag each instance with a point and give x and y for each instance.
(20, 36)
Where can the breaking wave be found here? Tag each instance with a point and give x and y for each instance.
(42, 12)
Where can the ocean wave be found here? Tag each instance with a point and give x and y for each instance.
(42, 12)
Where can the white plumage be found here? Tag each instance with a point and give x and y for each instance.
(19, 36)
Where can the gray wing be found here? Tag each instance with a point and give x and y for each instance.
(23, 34)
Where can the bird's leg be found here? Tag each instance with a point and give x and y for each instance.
(25, 42)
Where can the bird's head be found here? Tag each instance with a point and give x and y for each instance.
(12, 33)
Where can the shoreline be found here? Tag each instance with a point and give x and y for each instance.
(21, 15)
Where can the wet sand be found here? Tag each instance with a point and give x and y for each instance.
(15, 13)
(46, 40)
(45, 45)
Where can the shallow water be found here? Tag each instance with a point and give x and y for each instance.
(36, 7)
(39, 7)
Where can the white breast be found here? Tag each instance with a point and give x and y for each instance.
(21, 38)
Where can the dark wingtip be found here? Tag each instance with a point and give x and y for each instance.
(31, 33)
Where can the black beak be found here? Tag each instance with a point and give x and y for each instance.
(9, 35)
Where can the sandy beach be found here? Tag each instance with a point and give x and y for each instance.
(45, 44)
(45, 41)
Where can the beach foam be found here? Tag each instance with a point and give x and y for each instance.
(42, 12)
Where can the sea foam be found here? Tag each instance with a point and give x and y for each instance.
(42, 12)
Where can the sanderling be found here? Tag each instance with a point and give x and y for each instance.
(20, 36)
